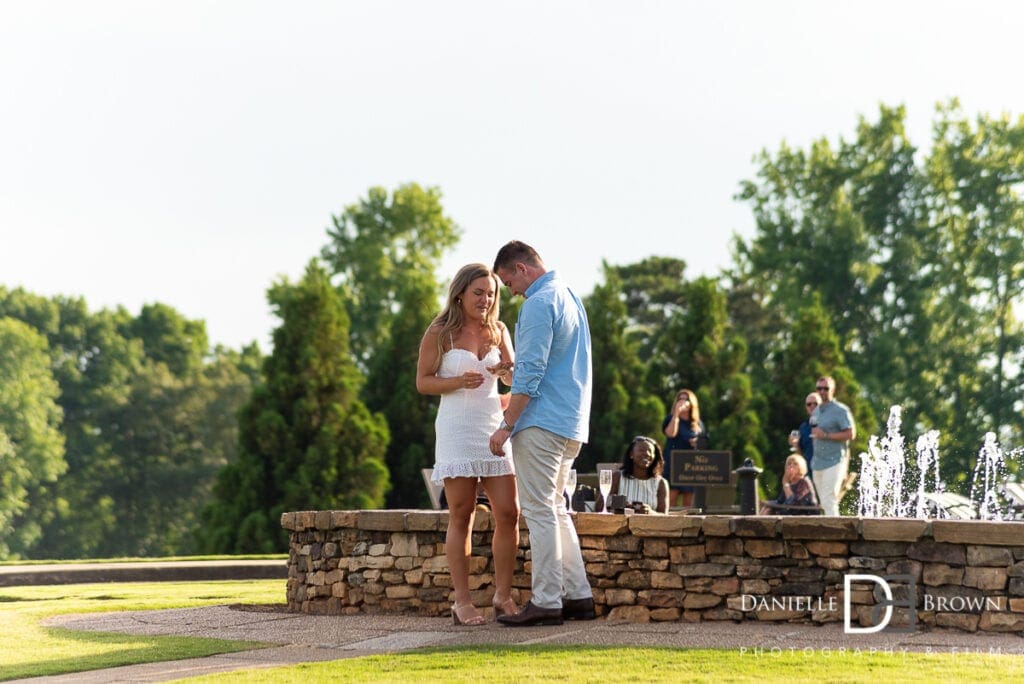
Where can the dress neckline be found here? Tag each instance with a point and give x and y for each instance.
(474, 354)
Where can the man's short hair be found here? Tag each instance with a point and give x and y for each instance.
(515, 252)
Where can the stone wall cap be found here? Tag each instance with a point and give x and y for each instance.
(664, 525)
(608, 524)
(718, 525)
(384, 521)
(979, 532)
(894, 529)
(819, 527)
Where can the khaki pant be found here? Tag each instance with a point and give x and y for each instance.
(543, 461)
(828, 482)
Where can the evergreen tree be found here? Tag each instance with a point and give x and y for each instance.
(307, 441)
(391, 389)
(620, 408)
(812, 351)
(384, 252)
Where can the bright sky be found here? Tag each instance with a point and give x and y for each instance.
(190, 152)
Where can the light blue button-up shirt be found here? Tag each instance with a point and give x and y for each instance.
(553, 360)
(832, 416)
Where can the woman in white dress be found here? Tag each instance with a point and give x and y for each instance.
(462, 355)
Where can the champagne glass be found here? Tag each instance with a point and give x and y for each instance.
(570, 486)
(605, 484)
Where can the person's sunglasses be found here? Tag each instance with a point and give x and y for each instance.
(811, 403)
(823, 389)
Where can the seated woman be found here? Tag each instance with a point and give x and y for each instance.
(639, 479)
(797, 490)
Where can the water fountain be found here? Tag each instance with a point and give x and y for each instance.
(884, 471)
(989, 472)
(927, 448)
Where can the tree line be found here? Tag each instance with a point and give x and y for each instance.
(896, 269)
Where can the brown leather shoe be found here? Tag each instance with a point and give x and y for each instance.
(530, 615)
(578, 609)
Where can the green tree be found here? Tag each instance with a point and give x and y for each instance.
(391, 389)
(384, 251)
(811, 351)
(653, 291)
(916, 259)
(31, 444)
(143, 442)
(96, 379)
(172, 437)
(976, 170)
(307, 441)
(849, 224)
(620, 408)
(376, 245)
(170, 338)
(699, 349)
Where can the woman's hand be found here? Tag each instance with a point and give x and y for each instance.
(502, 370)
(470, 380)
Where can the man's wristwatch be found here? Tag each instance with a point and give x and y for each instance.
(505, 426)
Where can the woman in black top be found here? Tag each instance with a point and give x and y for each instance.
(685, 431)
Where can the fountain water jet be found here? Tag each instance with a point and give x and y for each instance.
(884, 470)
(927, 448)
(881, 473)
(988, 471)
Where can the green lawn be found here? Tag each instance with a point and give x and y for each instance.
(609, 664)
(28, 649)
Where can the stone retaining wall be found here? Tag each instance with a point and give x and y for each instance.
(963, 574)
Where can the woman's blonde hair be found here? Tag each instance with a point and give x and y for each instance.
(694, 408)
(451, 318)
(800, 461)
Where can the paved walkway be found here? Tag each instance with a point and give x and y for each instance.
(298, 638)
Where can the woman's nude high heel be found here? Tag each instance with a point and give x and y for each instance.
(466, 614)
(506, 607)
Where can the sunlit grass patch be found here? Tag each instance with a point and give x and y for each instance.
(29, 649)
(601, 664)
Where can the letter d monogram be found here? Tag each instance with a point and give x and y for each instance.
(887, 604)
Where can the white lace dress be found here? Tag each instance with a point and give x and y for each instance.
(466, 419)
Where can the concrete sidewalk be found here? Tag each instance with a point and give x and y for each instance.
(298, 638)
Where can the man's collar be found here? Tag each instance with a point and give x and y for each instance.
(538, 283)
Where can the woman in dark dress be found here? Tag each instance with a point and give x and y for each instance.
(684, 430)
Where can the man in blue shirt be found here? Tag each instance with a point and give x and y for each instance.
(833, 429)
(804, 443)
(548, 419)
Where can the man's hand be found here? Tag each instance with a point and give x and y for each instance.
(497, 442)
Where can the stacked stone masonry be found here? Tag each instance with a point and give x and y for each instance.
(967, 575)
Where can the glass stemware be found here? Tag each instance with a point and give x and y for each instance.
(605, 484)
(570, 486)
